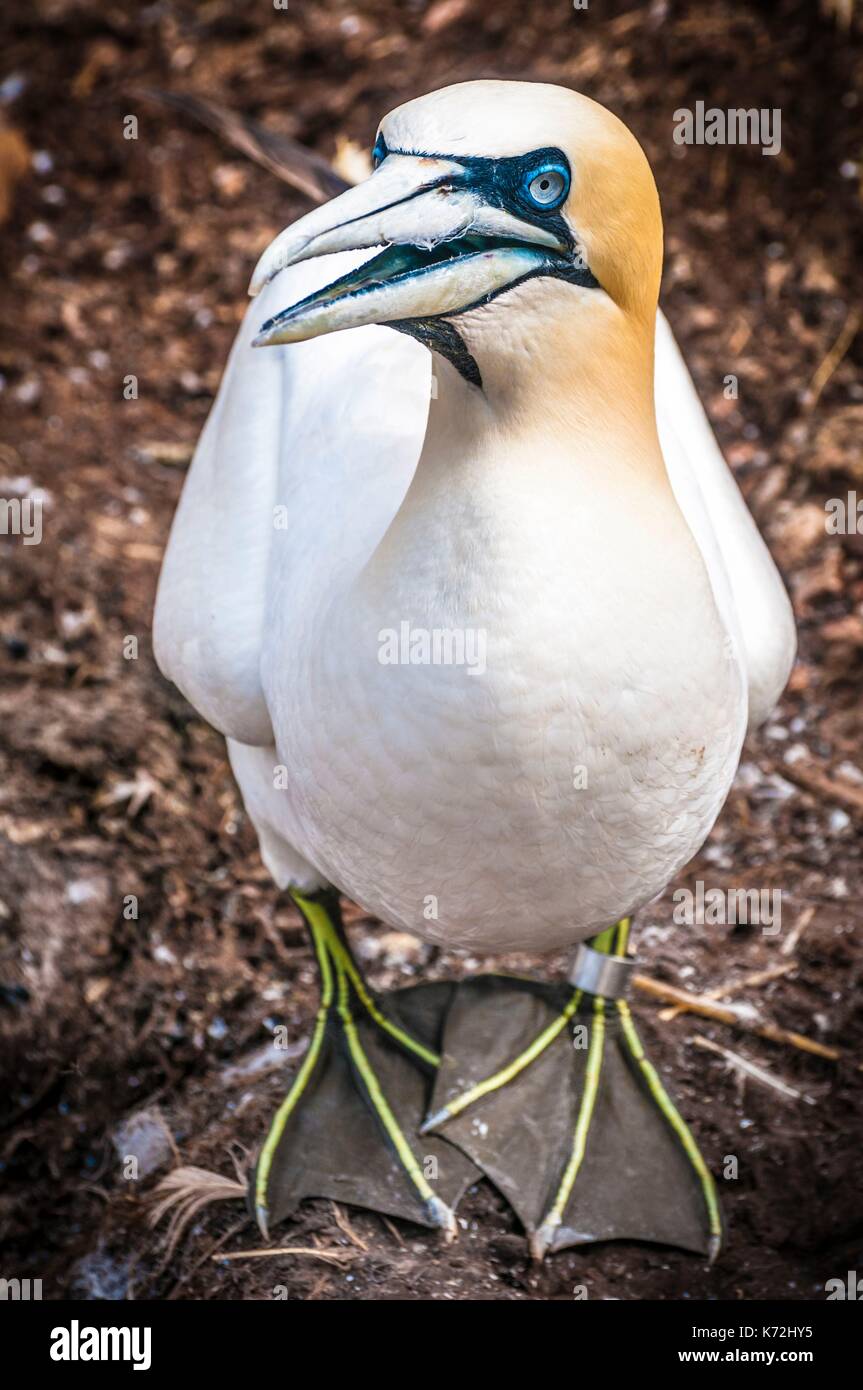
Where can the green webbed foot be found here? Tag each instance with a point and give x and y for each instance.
(348, 1126)
(547, 1089)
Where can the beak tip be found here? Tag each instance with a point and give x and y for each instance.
(260, 278)
(266, 270)
(263, 337)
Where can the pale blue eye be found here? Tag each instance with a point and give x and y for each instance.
(547, 187)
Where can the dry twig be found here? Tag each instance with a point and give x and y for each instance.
(831, 359)
(789, 945)
(744, 1067)
(760, 977)
(743, 1016)
(334, 1255)
(347, 1229)
(819, 783)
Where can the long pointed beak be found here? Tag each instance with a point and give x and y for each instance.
(447, 250)
(360, 218)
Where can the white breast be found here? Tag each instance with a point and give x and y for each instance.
(529, 803)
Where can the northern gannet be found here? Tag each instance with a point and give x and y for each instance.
(484, 627)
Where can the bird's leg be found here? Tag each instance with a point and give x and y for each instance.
(348, 1126)
(620, 1160)
(346, 965)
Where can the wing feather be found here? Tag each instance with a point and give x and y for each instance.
(748, 587)
(301, 466)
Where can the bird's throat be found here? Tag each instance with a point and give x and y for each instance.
(509, 473)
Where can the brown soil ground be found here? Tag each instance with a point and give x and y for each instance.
(128, 257)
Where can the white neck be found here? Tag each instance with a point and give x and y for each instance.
(564, 419)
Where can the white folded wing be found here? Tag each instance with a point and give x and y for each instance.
(318, 440)
(721, 522)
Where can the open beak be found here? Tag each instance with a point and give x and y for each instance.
(446, 250)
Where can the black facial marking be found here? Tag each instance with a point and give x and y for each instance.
(440, 336)
(500, 183)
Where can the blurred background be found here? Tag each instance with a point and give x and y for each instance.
(124, 268)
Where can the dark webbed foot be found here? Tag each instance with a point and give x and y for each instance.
(548, 1090)
(348, 1127)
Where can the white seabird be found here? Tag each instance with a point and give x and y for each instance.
(484, 626)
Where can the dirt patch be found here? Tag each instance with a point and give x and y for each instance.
(129, 258)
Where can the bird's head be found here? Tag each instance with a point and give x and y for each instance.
(502, 208)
